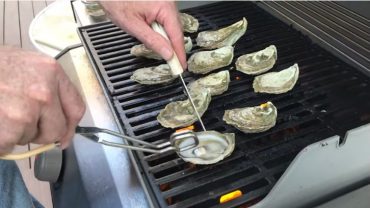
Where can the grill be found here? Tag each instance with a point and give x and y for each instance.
(329, 98)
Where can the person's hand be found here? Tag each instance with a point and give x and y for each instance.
(135, 17)
(38, 103)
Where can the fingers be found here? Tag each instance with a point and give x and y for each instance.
(151, 39)
(73, 107)
(18, 120)
(171, 23)
(8, 135)
(52, 124)
(135, 18)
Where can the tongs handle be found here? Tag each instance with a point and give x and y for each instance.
(30, 153)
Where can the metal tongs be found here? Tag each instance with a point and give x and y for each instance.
(175, 139)
(176, 143)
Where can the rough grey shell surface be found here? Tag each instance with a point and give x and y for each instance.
(153, 75)
(226, 36)
(277, 82)
(217, 83)
(257, 62)
(213, 147)
(142, 51)
(252, 119)
(189, 23)
(181, 113)
(206, 61)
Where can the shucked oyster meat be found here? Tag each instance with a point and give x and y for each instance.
(181, 113)
(217, 83)
(189, 23)
(142, 51)
(252, 119)
(257, 62)
(205, 61)
(223, 37)
(277, 82)
(153, 75)
(212, 148)
(188, 44)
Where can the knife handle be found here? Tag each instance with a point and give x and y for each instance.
(174, 62)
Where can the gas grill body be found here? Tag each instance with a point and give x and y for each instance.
(294, 164)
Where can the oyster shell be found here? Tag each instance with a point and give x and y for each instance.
(189, 23)
(252, 119)
(257, 62)
(181, 113)
(153, 75)
(142, 51)
(217, 83)
(226, 36)
(212, 148)
(277, 82)
(205, 61)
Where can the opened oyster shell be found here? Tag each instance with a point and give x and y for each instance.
(277, 82)
(142, 51)
(189, 23)
(205, 61)
(181, 113)
(223, 37)
(217, 83)
(153, 75)
(252, 119)
(212, 148)
(257, 62)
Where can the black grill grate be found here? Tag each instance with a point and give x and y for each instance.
(329, 98)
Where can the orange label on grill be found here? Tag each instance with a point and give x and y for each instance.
(230, 196)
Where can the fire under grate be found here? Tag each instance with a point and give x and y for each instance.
(329, 98)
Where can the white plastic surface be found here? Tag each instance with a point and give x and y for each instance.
(54, 28)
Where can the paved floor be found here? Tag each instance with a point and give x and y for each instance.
(15, 19)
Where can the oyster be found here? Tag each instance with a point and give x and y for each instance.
(252, 119)
(277, 82)
(257, 62)
(223, 37)
(205, 61)
(212, 148)
(217, 83)
(142, 51)
(181, 113)
(188, 44)
(189, 23)
(153, 75)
